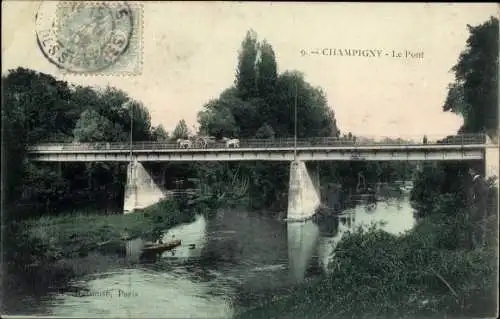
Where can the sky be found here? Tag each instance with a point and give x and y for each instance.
(189, 53)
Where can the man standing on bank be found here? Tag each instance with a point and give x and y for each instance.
(478, 209)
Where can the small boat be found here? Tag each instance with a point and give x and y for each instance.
(125, 235)
(297, 219)
(159, 248)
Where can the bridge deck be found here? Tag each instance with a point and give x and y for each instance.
(455, 148)
(382, 153)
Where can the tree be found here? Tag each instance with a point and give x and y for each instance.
(43, 183)
(114, 104)
(93, 127)
(217, 120)
(159, 134)
(13, 150)
(315, 118)
(181, 130)
(39, 108)
(474, 94)
(265, 131)
(246, 74)
(42, 101)
(267, 70)
(141, 121)
(261, 105)
(34, 110)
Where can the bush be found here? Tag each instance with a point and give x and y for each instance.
(422, 274)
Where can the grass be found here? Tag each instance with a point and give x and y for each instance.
(52, 238)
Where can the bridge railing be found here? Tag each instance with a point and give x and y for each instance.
(463, 139)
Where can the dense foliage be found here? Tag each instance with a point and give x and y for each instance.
(261, 105)
(448, 264)
(422, 274)
(474, 93)
(474, 96)
(39, 108)
(430, 270)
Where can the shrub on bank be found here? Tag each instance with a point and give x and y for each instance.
(416, 275)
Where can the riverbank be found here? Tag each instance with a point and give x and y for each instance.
(50, 242)
(421, 274)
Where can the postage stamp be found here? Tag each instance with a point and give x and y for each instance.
(91, 37)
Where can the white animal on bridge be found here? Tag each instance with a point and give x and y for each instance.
(181, 143)
(202, 141)
(231, 142)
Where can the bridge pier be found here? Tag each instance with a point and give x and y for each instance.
(141, 190)
(314, 173)
(303, 195)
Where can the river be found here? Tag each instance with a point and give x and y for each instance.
(224, 265)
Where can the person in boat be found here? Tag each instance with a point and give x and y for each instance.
(125, 234)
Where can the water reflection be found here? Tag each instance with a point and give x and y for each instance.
(302, 237)
(396, 215)
(223, 263)
(193, 238)
(142, 293)
(327, 243)
(163, 289)
(133, 249)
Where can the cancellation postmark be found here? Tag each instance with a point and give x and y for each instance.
(90, 37)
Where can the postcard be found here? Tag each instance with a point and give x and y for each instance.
(249, 159)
